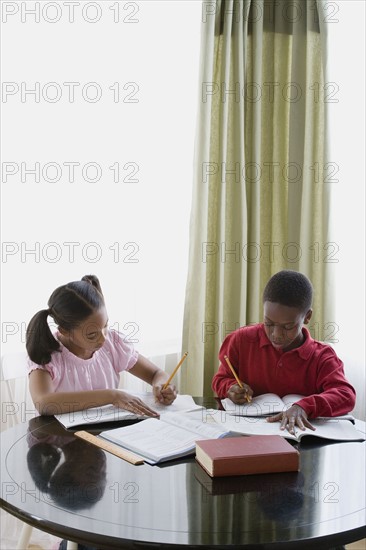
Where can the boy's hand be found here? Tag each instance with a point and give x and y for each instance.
(240, 395)
(165, 397)
(294, 416)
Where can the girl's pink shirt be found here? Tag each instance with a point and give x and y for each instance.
(71, 373)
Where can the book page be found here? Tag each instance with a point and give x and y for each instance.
(109, 413)
(153, 439)
(291, 398)
(250, 425)
(333, 428)
(182, 403)
(348, 417)
(159, 440)
(95, 415)
(198, 426)
(261, 405)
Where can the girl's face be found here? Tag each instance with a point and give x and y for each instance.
(283, 325)
(88, 336)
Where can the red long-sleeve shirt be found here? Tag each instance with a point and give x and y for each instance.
(313, 370)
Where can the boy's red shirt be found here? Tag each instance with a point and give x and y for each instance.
(312, 370)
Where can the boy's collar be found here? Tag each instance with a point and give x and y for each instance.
(304, 350)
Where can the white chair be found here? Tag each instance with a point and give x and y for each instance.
(17, 406)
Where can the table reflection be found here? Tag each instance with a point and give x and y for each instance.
(71, 473)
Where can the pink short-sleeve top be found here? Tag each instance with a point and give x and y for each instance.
(71, 373)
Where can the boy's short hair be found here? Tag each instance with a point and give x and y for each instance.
(289, 288)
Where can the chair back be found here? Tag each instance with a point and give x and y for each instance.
(16, 402)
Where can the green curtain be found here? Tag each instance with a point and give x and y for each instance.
(261, 193)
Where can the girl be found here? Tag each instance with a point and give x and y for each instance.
(78, 367)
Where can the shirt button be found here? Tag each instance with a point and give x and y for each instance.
(280, 364)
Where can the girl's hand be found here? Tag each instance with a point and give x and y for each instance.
(165, 397)
(239, 395)
(294, 416)
(131, 403)
(150, 373)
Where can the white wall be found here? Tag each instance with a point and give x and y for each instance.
(134, 106)
(346, 69)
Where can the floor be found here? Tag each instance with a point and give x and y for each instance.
(11, 528)
(359, 545)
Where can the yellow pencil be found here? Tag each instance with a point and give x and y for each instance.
(174, 371)
(247, 397)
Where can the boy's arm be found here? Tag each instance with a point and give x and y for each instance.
(337, 398)
(224, 379)
(336, 395)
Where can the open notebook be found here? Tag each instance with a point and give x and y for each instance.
(173, 436)
(261, 405)
(338, 428)
(109, 413)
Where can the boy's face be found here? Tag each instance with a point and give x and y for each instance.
(283, 325)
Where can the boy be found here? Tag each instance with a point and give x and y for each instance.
(279, 356)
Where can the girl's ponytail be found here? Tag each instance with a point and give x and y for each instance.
(40, 342)
(93, 280)
(69, 305)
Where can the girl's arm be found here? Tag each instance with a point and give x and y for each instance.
(48, 402)
(150, 373)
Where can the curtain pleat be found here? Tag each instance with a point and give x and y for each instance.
(260, 200)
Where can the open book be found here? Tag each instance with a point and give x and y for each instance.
(261, 405)
(109, 413)
(338, 428)
(173, 436)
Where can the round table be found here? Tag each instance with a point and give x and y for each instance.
(72, 489)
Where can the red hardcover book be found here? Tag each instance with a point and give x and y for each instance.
(256, 454)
